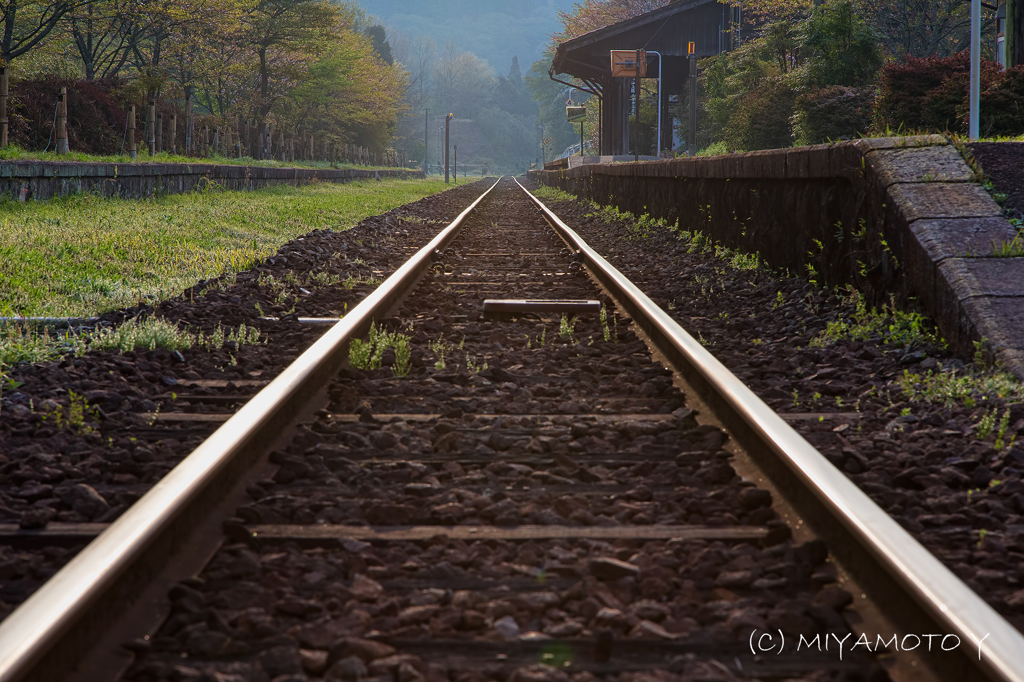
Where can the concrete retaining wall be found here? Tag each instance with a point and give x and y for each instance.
(23, 180)
(896, 216)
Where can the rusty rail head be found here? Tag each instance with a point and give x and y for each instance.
(883, 556)
(46, 636)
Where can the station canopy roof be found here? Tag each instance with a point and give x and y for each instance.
(667, 30)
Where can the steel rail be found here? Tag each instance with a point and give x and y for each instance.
(922, 595)
(47, 635)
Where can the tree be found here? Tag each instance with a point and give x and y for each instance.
(347, 88)
(838, 47)
(25, 23)
(284, 35)
(381, 46)
(462, 82)
(591, 15)
(101, 31)
(1014, 32)
(511, 95)
(920, 28)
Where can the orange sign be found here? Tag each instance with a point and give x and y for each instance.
(625, 63)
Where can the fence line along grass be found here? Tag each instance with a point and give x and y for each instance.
(15, 153)
(83, 255)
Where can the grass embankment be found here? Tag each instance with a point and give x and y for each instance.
(83, 255)
(13, 153)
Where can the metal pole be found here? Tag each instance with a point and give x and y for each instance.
(972, 125)
(426, 146)
(692, 142)
(581, 139)
(447, 121)
(636, 110)
(657, 145)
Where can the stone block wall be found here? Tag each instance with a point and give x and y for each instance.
(41, 180)
(899, 217)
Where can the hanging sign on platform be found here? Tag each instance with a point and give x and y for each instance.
(629, 63)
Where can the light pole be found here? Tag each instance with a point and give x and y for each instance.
(426, 146)
(447, 126)
(692, 142)
(657, 145)
(975, 91)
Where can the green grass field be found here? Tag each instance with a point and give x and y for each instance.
(83, 255)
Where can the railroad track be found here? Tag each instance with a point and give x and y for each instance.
(522, 492)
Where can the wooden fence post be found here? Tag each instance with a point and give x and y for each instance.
(3, 106)
(189, 126)
(159, 133)
(62, 122)
(206, 141)
(151, 127)
(281, 149)
(132, 150)
(174, 134)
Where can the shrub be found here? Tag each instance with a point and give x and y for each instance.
(1002, 105)
(95, 120)
(760, 119)
(931, 94)
(904, 88)
(834, 113)
(97, 114)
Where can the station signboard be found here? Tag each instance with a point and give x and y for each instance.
(629, 63)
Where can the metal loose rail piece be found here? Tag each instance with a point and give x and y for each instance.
(879, 552)
(46, 636)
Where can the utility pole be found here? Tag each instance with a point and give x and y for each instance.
(426, 146)
(447, 127)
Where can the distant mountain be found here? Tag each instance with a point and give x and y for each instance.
(493, 30)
